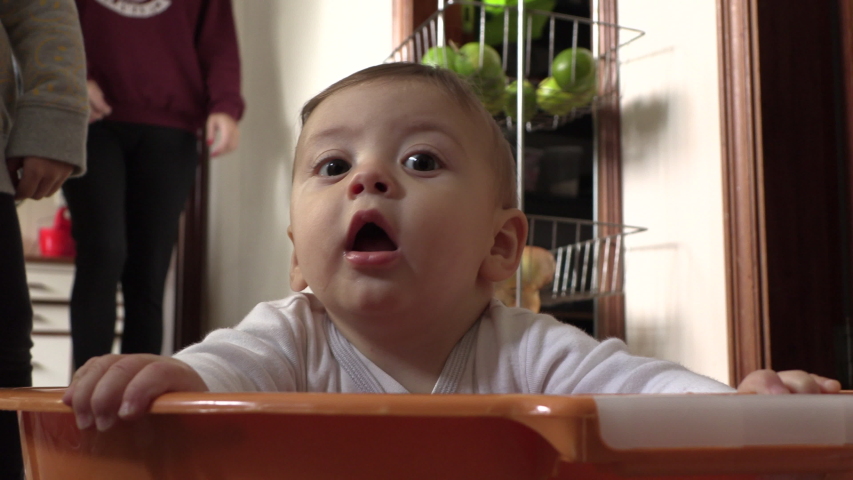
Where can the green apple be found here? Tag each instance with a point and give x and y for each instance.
(490, 90)
(488, 80)
(586, 98)
(494, 105)
(495, 19)
(468, 61)
(552, 99)
(443, 57)
(497, 7)
(574, 70)
(528, 95)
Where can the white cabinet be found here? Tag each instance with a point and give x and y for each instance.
(51, 360)
(50, 284)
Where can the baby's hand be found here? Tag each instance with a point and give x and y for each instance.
(791, 381)
(123, 386)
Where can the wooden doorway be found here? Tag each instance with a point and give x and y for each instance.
(787, 103)
(191, 258)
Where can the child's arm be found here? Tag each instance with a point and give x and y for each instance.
(791, 381)
(47, 140)
(223, 134)
(40, 177)
(98, 106)
(123, 386)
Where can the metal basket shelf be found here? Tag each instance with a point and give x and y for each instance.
(590, 257)
(432, 33)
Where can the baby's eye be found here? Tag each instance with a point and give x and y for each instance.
(334, 167)
(422, 162)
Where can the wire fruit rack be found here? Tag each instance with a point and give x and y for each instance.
(589, 255)
(431, 33)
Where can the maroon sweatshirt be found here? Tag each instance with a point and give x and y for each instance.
(163, 62)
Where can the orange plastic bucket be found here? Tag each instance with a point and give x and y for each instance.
(353, 436)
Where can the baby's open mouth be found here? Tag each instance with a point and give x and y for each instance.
(372, 238)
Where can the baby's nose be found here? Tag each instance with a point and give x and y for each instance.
(372, 180)
(375, 187)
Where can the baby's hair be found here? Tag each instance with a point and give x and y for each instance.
(458, 89)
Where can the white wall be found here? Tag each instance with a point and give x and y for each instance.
(290, 51)
(675, 283)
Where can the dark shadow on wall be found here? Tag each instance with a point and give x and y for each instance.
(643, 121)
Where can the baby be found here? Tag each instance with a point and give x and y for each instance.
(403, 217)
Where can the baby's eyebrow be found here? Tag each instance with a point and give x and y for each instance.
(332, 133)
(431, 126)
(407, 128)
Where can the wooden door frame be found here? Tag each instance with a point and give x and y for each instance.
(403, 23)
(191, 258)
(745, 216)
(610, 311)
(740, 113)
(845, 11)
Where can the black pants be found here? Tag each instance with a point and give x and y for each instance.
(124, 218)
(16, 324)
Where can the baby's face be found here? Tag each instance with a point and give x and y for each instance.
(393, 203)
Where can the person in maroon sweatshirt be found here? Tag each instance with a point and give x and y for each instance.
(163, 74)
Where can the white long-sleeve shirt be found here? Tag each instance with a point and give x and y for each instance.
(290, 345)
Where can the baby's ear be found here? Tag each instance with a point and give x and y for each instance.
(297, 281)
(509, 237)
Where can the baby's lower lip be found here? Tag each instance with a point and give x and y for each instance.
(372, 259)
